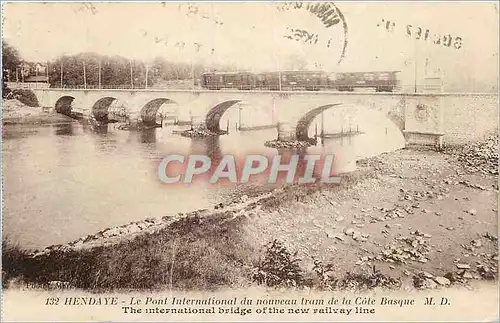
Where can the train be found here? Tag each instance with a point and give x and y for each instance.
(380, 81)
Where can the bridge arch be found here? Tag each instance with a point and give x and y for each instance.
(213, 117)
(100, 109)
(63, 105)
(151, 108)
(302, 127)
(303, 124)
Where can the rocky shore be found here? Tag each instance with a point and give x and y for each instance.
(115, 235)
(201, 133)
(295, 144)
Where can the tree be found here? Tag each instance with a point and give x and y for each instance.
(10, 60)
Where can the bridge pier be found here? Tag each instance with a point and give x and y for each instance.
(198, 123)
(286, 132)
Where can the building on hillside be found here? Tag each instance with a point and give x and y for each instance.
(40, 69)
(25, 70)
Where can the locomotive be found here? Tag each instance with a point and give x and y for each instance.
(381, 81)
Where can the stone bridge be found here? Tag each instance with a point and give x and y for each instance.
(421, 116)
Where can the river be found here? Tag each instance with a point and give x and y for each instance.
(62, 182)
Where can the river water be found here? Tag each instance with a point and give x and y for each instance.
(62, 182)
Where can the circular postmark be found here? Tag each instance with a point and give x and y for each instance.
(329, 15)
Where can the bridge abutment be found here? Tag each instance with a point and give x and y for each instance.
(424, 121)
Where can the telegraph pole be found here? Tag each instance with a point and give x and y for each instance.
(99, 72)
(147, 70)
(278, 67)
(84, 76)
(131, 76)
(61, 72)
(415, 65)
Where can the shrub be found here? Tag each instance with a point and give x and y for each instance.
(370, 280)
(14, 262)
(25, 96)
(5, 90)
(279, 268)
(324, 273)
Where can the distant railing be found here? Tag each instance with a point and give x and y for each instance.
(124, 87)
(27, 85)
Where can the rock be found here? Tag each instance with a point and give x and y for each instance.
(349, 231)
(467, 275)
(339, 238)
(481, 156)
(476, 243)
(422, 282)
(472, 211)
(490, 237)
(442, 281)
(463, 266)
(339, 219)
(427, 275)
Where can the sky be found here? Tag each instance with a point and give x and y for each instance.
(251, 35)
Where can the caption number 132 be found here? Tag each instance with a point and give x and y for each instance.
(52, 301)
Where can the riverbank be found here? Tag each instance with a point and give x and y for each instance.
(407, 219)
(15, 112)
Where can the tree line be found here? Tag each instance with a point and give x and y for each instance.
(94, 70)
(117, 71)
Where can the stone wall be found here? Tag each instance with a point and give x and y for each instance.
(467, 118)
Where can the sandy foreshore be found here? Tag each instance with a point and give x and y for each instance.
(15, 112)
(414, 217)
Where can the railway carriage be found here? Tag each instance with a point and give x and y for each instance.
(302, 80)
(380, 81)
(231, 80)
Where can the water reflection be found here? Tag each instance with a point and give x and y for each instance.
(147, 135)
(65, 129)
